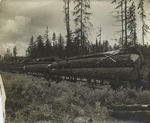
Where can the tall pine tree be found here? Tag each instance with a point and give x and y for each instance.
(15, 51)
(60, 46)
(120, 6)
(40, 47)
(48, 48)
(69, 32)
(54, 47)
(132, 25)
(82, 23)
(145, 27)
(31, 49)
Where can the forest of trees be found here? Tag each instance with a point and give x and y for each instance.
(41, 47)
(126, 15)
(76, 41)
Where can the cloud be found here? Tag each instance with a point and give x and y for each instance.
(17, 30)
(21, 20)
(13, 29)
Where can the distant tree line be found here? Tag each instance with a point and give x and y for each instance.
(57, 46)
(10, 56)
(45, 48)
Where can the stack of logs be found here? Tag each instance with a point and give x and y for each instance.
(118, 66)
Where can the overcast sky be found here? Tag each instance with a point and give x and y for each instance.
(21, 19)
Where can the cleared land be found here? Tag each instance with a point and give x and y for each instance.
(31, 99)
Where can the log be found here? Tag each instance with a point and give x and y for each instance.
(129, 50)
(125, 60)
(40, 62)
(18, 65)
(97, 54)
(17, 69)
(37, 68)
(128, 73)
(50, 59)
(46, 60)
(135, 107)
(6, 68)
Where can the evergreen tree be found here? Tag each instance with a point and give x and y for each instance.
(86, 44)
(105, 46)
(60, 46)
(100, 46)
(15, 51)
(82, 23)
(69, 32)
(145, 27)
(115, 47)
(35, 55)
(8, 55)
(124, 19)
(93, 48)
(120, 6)
(54, 38)
(76, 45)
(54, 48)
(48, 47)
(99, 42)
(96, 46)
(110, 48)
(30, 50)
(132, 25)
(40, 47)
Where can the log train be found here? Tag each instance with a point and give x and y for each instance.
(120, 67)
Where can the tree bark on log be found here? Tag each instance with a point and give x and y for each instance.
(40, 62)
(37, 68)
(127, 73)
(126, 60)
(129, 50)
(135, 107)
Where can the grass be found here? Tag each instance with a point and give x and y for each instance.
(31, 99)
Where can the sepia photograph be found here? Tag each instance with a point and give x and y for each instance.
(74, 61)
